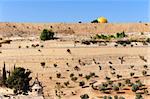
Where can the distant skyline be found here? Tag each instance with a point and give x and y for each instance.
(116, 11)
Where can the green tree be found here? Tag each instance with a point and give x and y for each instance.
(19, 80)
(47, 35)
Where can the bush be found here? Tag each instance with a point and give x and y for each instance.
(55, 65)
(148, 40)
(87, 77)
(121, 35)
(82, 83)
(47, 35)
(85, 96)
(115, 88)
(138, 96)
(127, 81)
(58, 75)
(105, 97)
(71, 75)
(43, 64)
(135, 87)
(74, 79)
(66, 83)
(115, 97)
(121, 97)
(109, 97)
(131, 74)
(103, 87)
(144, 73)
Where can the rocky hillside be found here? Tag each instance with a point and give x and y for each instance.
(34, 29)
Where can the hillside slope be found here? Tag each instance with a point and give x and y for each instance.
(34, 29)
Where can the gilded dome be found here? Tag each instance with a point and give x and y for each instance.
(102, 20)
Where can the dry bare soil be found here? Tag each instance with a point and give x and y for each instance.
(82, 59)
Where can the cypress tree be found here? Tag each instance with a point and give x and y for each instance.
(4, 75)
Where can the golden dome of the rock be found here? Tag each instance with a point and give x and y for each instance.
(102, 20)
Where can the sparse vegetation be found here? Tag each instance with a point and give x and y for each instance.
(107, 37)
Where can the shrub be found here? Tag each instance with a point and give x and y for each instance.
(116, 45)
(19, 46)
(115, 97)
(80, 75)
(139, 83)
(55, 65)
(47, 35)
(119, 76)
(39, 50)
(142, 33)
(135, 87)
(74, 79)
(144, 73)
(87, 77)
(131, 45)
(92, 74)
(71, 75)
(82, 83)
(115, 88)
(27, 46)
(107, 78)
(148, 40)
(109, 97)
(66, 83)
(121, 35)
(110, 82)
(58, 75)
(105, 97)
(145, 66)
(43, 64)
(138, 96)
(85, 96)
(103, 87)
(42, 46)
(69, 51)
(121, 97)
(131, 74)
(127, 81)
(146, 92)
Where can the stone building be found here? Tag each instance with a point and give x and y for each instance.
(37, 89)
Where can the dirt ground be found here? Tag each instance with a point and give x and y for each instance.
(20, 52)
(34, 29)
(52, 53)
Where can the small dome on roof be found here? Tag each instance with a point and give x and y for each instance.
(102, 20)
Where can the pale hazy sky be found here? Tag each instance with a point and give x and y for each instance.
(74, 10)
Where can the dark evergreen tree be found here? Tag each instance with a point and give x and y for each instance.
(14, 66)
(4, 75)
(95, 21)
(19, 80)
